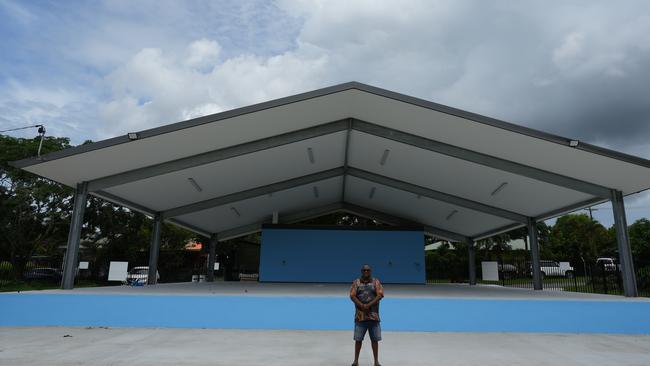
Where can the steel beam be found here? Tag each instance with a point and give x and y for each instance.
(154, 250)
(346, 158)
(436, 195)
(251, 193)
(189, 227)
(74, 235)
(398, 221)
(123, 202)
(497, 231)
(534, 254)
(623, 240)
(286, 219)
(482, 159)
(471, 260)
(568, 209)
(217, 155)
(211, 257)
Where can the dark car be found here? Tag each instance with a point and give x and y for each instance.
(46, 274)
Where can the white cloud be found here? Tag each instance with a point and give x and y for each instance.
(155, 88)
(568, 54)
(203, 53)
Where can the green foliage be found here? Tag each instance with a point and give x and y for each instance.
(640, 240)
(35, 216)
(33, 211)
(577, 236)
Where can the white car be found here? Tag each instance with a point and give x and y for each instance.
(607, 264)
(139, 276)
(555, 269)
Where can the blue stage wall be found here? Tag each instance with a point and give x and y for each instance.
(336, 255)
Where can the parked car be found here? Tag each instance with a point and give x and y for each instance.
(43, 273)
(139, 276)
(507, 271)
(608, 264)
(554, 269)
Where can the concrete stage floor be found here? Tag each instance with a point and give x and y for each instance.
(448, 291)
(191, 347)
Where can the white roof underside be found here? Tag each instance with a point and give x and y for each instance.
(414, 167)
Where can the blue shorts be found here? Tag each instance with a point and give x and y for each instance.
(373, 328)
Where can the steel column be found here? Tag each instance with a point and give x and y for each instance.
(534, 254)
(471, 256)
(211, 257)
(623, 240)
(154, 250)
(74, 235)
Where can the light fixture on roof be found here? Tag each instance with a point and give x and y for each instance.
(574, 143)
(372, 192)
(499, 188)
(384, 157)
(133, 135)
(315, 191)
(310, 154)
(235, 211)
(451, 214)
(195, 185)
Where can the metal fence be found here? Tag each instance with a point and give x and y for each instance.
(578, 276)
(46, 272)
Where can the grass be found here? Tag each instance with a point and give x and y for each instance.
(14, 286)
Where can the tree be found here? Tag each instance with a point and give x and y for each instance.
(640, 240)
(34, 212)
(35, 215)
(577, 237)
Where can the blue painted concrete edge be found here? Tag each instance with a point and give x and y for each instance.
(324, 313)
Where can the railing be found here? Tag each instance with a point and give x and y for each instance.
(556, 276)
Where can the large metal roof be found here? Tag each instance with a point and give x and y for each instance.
(350, 147)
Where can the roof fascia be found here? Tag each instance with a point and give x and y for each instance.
(186, 124)
(217, 155)
(503, 125)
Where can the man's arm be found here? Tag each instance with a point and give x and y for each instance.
(353, 295)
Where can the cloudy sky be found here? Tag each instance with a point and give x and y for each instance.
(93, 70)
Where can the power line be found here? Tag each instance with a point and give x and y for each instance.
(20, 128)
(41, 133)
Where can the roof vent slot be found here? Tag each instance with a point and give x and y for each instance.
(384, 157)
(499, 188)
(315, 191)
(195, 185)
(310, 154)
(235, 211)
(451, 214)
(372, 192)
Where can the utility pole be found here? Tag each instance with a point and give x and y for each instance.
(591, 216)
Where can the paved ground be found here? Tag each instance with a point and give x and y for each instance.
(309, 289)
(134, 347)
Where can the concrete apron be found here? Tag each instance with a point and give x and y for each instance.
(137, 346)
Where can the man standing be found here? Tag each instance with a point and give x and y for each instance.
(366, 292)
